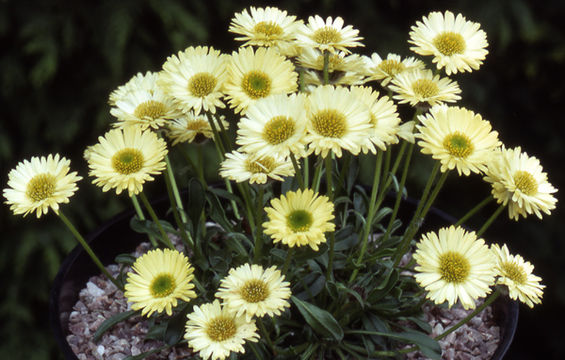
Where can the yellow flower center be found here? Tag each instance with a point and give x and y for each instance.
(221, 328)
(197, 125)
(514, 272)
(254, 291)
(41, 187)
(329, 123)
(162, 285)
(127, 161)
(449, 43)
(525, 182)
(256, 84)
(425, 88)
(268, 28)
(299, 220)
(278, 130)
(458, 145)
(454, 267)
(149, 109)
(264, 165)
(202, 84)
(391, 67)
(326, 35)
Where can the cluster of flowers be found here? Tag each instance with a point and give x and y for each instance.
(300, 91)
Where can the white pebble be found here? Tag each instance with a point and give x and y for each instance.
(94, 290)
(100, 349)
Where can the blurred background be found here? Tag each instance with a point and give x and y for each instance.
(60, 59)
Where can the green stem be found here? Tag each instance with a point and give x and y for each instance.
(180, 224)
(330, 194)
(217, 137)
(155, 219)
(266, 336)
(287, 260)
(474, 210)
(169, 174)
(364, 238)
(326, 67)
(317, 176)
(141, 217)
(259, 226)
(490, 220)
(88, 249)
(306, 172)
(297, 170)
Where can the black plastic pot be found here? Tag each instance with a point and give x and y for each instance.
(116, 237)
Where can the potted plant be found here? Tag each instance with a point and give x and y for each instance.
(292, 257)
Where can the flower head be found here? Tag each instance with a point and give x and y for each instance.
(214, 331)
(275, 125)
(453, 265)
(190, 127)
(300, 218)
(387, 69)
(40, 184)
(419, 87)
(256, 74)
(159, 279)
(518, 180)
(268, 27)
(145, 105)
(126, 159)
(195, 78)
(343, 69)
(241, 167)
(458, 138)
(337, 119)
(328, 35)
(516, 274)
(254, 291)
(455, 43)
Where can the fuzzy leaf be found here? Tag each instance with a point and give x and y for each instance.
(320, 320)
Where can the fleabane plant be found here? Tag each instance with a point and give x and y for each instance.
(289, 255)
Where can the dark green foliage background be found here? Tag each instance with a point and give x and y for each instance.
(60, 59)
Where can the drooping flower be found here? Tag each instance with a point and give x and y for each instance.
(189, 127)
(419, 87)
(268, 27)
(516, 274)
(254, 291)
(195, 78)
(256, 74)
(240, 166)
(159, 279)
(214, 331)
(126, 159)
(328, 35)
(455, 43)
(146, 106)
(40, 184)
(458, 138)
(518, 180)
(384, 70)
(275, 125)
(300, 218)
(337, 120)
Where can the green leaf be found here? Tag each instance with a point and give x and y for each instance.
(355, 294)
(196, 201)
(108, 323)
(320, 320)
(146, 354)
(127, 259)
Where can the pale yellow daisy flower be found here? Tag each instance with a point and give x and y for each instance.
(240, 166)
(195, 78)
(159, 279)
(453, 265)
(421, 87)
(269, 27)
(300, 218)
(126, 158)
(516, 274)
(518, 180)
(455, 43)
(329, 35)
(40, 184)
(190, 127)
(256, 74)
(384, 70)
(383, 117)
(145, 81)
(275, 125)
(458, 138)
(214, 331)
(254, 291)
(337, 120)
(146, 106)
